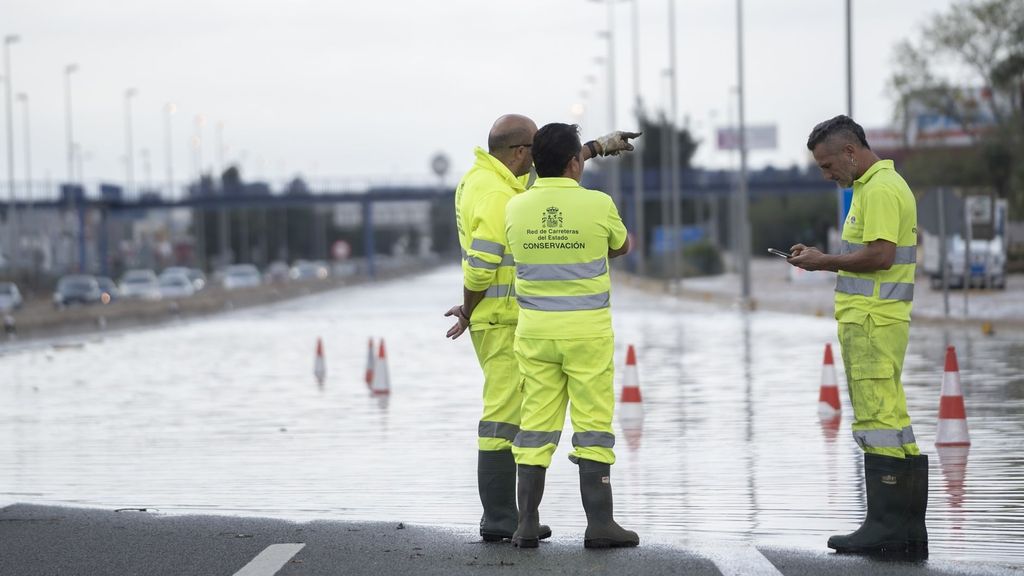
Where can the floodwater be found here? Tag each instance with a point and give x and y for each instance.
(223, 415)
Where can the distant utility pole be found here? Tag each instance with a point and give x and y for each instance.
(12, 219)
(744, 227)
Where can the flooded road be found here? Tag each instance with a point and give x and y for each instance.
(224, 415)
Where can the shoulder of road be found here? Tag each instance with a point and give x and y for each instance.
(38, 540)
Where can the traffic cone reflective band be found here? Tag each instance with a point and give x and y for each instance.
(630, 403)
(828, 397)
(319, 366)
(381, 381)
(952, 427)
(370, 358)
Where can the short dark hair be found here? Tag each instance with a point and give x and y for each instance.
(842, 126)
(554, 145)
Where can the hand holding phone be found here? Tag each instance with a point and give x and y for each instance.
(780, 253)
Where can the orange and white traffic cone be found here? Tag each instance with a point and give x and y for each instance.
(952, 426)
(828, 396)
(319, 366)
(381, 380)
(631, 403)
(370, 357)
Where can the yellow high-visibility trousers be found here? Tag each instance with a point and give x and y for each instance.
(873, 358)
(501, 395)
(556, 373)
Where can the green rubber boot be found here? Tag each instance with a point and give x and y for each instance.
(884, 529)
(531, 490)
(496, 480)
(596, 490)
(917, 532)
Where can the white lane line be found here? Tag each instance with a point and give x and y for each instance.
(272, 559)
(739, 561)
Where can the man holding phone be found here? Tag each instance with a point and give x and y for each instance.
(874, 296)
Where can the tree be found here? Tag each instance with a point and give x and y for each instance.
(968, 65)
(654, 130)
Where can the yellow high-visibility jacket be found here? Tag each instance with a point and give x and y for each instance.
(487, 264)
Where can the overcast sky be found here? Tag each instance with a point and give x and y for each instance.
(353, 90)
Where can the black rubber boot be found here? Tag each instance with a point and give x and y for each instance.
(531, 490)
(496, 480)
(596, 490)
(884, 530)
(917, 532)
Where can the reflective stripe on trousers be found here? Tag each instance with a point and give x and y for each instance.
(884, 438)
(497, 430)
(535, 439)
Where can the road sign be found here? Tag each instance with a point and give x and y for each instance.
(341, 250)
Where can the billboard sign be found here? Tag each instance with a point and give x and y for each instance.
(760, 137)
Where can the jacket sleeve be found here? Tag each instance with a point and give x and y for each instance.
(487, 242)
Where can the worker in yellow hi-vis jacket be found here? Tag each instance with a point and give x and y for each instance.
(561, 236)
(874, 295)
(489, 309)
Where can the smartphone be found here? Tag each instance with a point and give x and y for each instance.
(780, 253)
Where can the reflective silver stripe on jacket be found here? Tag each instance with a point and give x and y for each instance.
(535, 439)
(904, 254)
(907, 435)
(508, 260)
(896, 291)
(581, 271)
(879, 438)
(497, 430)
(499, 291)
(475, 262)
(590, 439)
(851, 285)
(565, 303)
(487, 246)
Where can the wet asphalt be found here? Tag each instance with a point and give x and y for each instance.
(40, 540)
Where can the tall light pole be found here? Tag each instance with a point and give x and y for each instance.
(27, 143)
(169, 110)
(613, 164)
(744, 220)
(68, 71)
(675, 244)
(638, 162)
(12, 219)
(129, 152)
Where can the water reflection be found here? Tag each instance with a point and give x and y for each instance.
(218, 415)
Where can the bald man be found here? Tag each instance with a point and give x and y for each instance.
(489, 309)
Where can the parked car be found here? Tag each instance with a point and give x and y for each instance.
(176, 285)
(141, 284)
(306, 270)
(198, 278)
(77, 289)
(10, 297)
(241, 276)
(108, 289)
(277, 272)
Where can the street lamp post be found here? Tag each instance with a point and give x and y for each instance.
(68, 71)
(613, 164)
(12, 219)
(638, 163)
(744, 220)
(168, 112)
(23, 98)
(129, 152)
(676, 243)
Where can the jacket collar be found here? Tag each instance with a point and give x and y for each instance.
(556, 182)
(874, 169)
(485, 161)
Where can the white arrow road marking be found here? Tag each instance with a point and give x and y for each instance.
(739, 561)
(268, 562)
